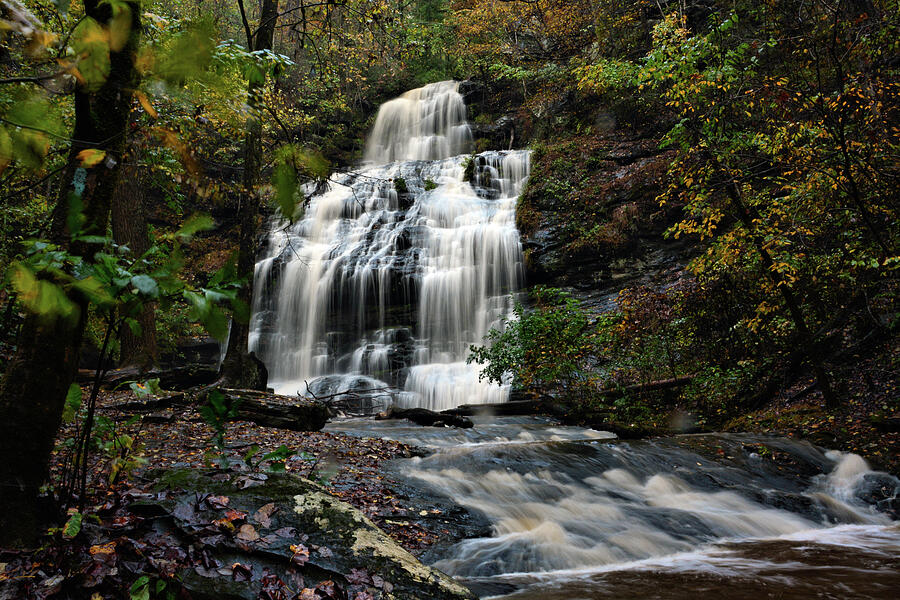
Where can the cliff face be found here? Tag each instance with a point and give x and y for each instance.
(589, 218)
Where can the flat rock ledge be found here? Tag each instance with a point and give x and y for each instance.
(258, 529)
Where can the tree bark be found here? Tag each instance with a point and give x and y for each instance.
(129, 225)
(37, 378)
(240, 369)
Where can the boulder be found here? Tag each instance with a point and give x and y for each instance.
(258, 532)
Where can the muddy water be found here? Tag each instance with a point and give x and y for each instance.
(576, 514)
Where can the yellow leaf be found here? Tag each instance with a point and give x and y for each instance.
(91, 157)
(145, 103)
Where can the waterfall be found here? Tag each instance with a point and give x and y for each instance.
(396, 269)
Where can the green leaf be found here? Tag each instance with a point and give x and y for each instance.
(146, 285)
(95, 291)
(189, 55)
(196, 223)
(119, 25)
(140, 589)
(6, 149)
(241, 311)
(217, 323)
(75, 218)
(134, 326)
(73, 525)
(92, 239)
(30, 147)
(285, 180)
(41, 297)
(91, 45)
(73, 403)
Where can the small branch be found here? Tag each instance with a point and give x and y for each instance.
(246, 23)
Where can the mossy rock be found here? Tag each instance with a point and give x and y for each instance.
(284, 514)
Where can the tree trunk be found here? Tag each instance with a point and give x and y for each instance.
(240, 369)
(129, 225)
(37, 378)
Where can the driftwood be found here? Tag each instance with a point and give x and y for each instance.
(423, 416)
(262, 408)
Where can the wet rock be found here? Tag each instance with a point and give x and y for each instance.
(423, 416)
(258, 534)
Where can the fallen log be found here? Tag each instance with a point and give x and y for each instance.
(150, 403)
(423, 416)
(175, 378)
(280, 412)
(548, 405)
(502, 409)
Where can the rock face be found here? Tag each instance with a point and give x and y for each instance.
(288, 529)
(589, 217)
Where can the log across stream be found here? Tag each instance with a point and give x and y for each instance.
(577, 514)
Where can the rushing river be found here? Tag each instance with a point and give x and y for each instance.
(578, 515)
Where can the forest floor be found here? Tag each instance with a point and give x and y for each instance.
(350, 467)
(867, 423)
(116, 542)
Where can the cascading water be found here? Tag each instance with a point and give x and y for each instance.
(399, 267)
(577, 515)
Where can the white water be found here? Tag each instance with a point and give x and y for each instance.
(576, 516)
(372, 289)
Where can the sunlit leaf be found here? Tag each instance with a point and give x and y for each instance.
(41, 297)
(119, 25)
(91, 157)
(145, 103)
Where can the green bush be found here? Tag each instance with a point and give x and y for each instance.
(549, 346)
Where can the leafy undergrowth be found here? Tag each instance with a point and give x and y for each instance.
(115, 551)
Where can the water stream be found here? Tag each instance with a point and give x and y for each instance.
(578, 515)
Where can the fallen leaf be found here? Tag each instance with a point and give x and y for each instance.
(301, 554)
(358, 576)
(217, 501)
(263, 516)
(247, 533)
(107, 548)
(241, 572)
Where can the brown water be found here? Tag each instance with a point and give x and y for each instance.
(577, 515)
